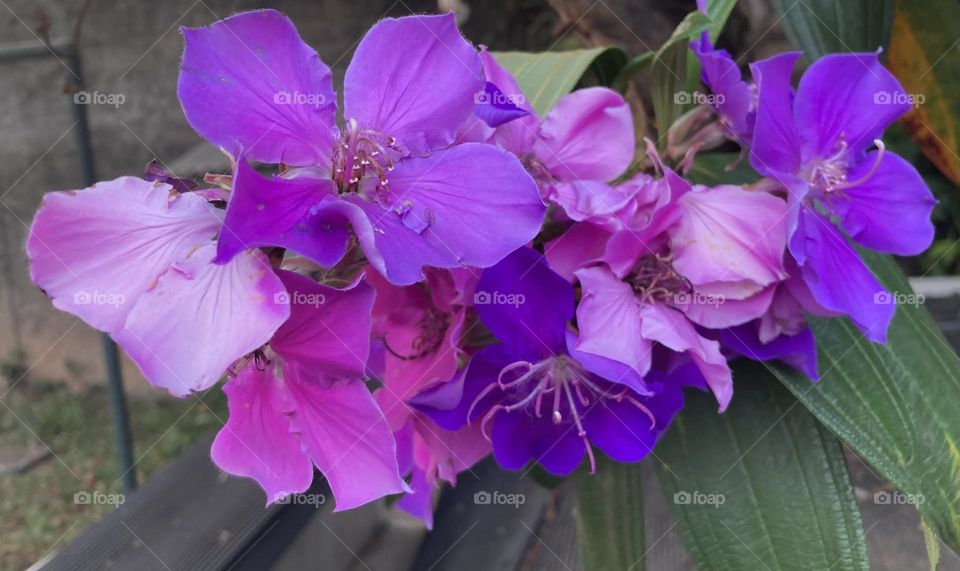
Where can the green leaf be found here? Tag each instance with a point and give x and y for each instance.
(894, 404)
(925, 58)
(674, 77)
(711, 169)
(690, 27)
(762, 486)
(545, 77)
(610, 517)
(718, 11)
(820, 27)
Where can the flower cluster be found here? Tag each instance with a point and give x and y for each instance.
(504, 282)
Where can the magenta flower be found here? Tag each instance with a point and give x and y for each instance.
(300, 402)
(133, 259)
(707, 257)
(418, 329)
(536, 396)
(816, 143)
(393, 172)
(586, 140)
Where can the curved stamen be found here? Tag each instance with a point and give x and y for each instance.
(881, 150)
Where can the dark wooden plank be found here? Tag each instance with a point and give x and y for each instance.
(189, 516)
(471, 534)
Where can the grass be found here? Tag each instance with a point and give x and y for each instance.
(37, 509)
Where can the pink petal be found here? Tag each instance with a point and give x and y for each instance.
(95, 251)
(609, 318)
(588, 135)
(727, 234)
(670, 328)
(201, 317)
(328, 333)
(348, 439)
(256, 441)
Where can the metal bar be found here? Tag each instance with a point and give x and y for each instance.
(111, 356)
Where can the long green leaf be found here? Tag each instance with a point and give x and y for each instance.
(762, 486)
(820, 27)
(691, 26)
(674, 78)
(894, 404)
(924, 58)
(545, 77)
(610, 517)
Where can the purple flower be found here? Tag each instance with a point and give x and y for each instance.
(134, 259)
(393, 173)
(816, 143)
(300, 401)
(734, 99)
(536, 396)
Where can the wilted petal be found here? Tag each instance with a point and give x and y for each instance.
(256, 441)
(726, 234)
(609, 318)
(201, 317)
(584, 199)
(347, 437)
(95, 251)
(588, 135)
(277, 212)
(670, 328)
(413, 78)
(893, 196)
(249, 84)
